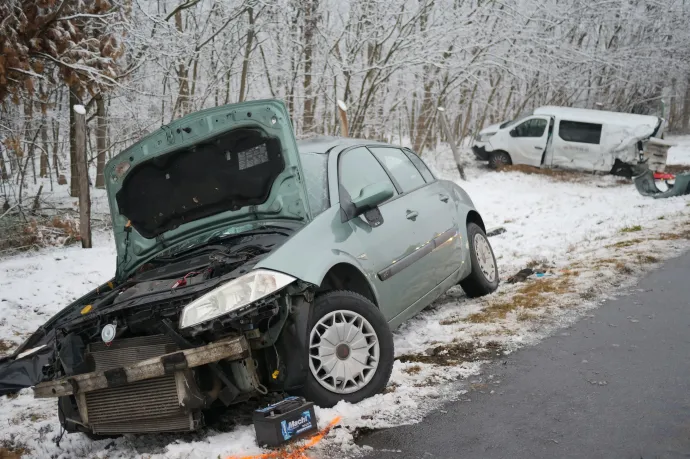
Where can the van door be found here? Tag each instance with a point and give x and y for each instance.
(529, 140)
(577, 145)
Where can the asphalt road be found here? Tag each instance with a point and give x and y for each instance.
(615, 385)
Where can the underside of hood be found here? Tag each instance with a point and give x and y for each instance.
(202, 173)
(225, 173)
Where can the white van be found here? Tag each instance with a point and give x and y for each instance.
(569, 138)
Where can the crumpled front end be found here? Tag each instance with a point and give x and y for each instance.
(147, 384)
(189, 333)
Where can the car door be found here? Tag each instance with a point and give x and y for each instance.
(390, 249)
(529, 139)
(577, 145)
(435, 217)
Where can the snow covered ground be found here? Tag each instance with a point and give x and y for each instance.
(592, 235)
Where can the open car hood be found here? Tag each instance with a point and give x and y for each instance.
(204, 172)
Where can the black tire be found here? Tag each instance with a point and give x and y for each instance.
(350, 301)
(498, 159)
(477, 284)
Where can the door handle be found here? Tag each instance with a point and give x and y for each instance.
(443, 197)
(412, 215)
(539, 148)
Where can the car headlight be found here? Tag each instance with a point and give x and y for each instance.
(233, 296)
(485, 137)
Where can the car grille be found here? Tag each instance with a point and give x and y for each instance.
(145, 406)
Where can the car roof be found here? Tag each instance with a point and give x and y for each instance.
(324, 144)
(597, 116)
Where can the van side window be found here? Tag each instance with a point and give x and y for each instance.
(531, 128)
(574, 131)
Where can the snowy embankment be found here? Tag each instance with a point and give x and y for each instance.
(592, 236)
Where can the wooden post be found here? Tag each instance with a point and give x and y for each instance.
(451, 140)
(342, 109)
(83, 173)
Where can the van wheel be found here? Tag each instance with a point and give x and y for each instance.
(350, 349)
(484, 276)
(498, 159)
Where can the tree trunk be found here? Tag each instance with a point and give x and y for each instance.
(673, 109)
(247, 52)
(101, 134)
(310, 20)
(3, 168)
(686, 108)
(182, 75)
(451, 140)
(83, 173)
(423, 120)
(74, 179)
(56, 146)
(342, 111)
(44, 152)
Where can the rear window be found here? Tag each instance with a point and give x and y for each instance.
(574, 131)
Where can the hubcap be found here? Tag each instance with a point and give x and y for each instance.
(485, 257)
(343, 352)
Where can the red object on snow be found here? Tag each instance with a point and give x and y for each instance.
(663, 176)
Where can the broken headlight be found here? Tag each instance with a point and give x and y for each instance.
(233, 296)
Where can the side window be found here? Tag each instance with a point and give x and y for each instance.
(531, 128)
(358, 168)
(574, 131)
(400, 167)
(421, 167)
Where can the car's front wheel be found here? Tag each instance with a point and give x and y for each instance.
(484, 276)
(498, 159)
(350, 349)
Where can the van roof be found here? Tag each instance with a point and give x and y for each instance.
(597, 116)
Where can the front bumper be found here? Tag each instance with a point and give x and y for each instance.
(480, 153)
(167, 364)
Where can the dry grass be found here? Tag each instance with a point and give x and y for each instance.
(5, 346)
(556, 174)
(627, 243)
(685, 234)
(11, 450)
(454, 353)
(676, 169)
(532, 295)
(646, 259)
(631, 229)
(413, 370)
(623, 268)
(39, 232)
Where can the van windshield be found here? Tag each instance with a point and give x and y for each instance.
(515, 120)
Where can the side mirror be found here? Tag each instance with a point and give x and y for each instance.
(371, 196)
(513, 132)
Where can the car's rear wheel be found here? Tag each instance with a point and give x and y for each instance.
(484, 276)
(350, 349)
(498, 159)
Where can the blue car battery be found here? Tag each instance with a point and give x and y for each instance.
(290, 419)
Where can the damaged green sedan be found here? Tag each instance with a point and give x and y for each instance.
(249, 264)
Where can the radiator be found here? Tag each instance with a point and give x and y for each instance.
(152, 405)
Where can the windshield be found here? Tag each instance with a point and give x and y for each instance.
(315, 167)
(515, 120)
